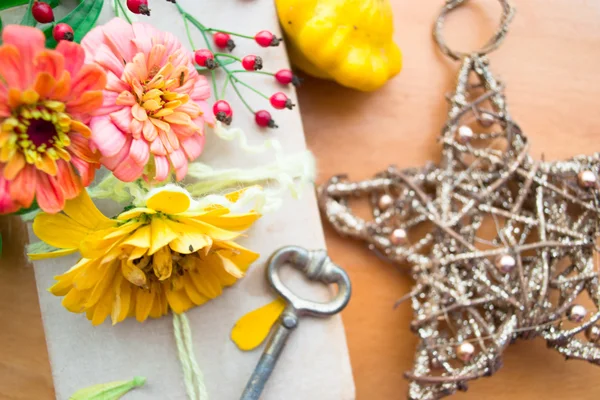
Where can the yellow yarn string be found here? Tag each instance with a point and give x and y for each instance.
(192, 374)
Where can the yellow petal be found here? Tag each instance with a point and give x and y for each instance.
(162, 263)
(193, 293)
(140, 238)
(52, 254)
(59, 230)
(90, 273)
(241, 256)
(102, 310)
(206, 281)
(211, 230)
(189, 240)
(133, 274)
(235, 196)
(122, 301)
(123, 230)
(253, 328)
(104, 283)
(162, 235)
(169, 201)
(178, 300)
(83, 210)
(134, 213)
(74, 301)
(233, 222)
(230, 267)
(143, 303)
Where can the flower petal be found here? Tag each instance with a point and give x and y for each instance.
(106, 136)
(169, 201)
(48, 193)
(28, 41)
(161, 165)
(73, 53)
(253, 328)
(59, 230)
(83, 210)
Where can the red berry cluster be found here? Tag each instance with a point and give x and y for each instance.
(43, 13)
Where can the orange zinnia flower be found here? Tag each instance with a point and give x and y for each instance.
(46, 97)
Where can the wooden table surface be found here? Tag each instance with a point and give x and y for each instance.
(550, 63)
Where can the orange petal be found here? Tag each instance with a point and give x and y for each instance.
(50, 61)
(178, 118)
(87, 103)
(72, 52)
(14, 166)
(81, 128)
(63, 87)
(139, 113)
(68, 180)
(46, 164)
(49, 195)
(22, 188)
(10, 60)
(44, 84)
(90, 77)
(14, 98)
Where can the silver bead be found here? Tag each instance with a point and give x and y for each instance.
(576, 313)
(385, 202)
(465, 351)
(593, 334)
(587, 179)
(464, 134)
(505, 263)
(486, 120)
(399, 237)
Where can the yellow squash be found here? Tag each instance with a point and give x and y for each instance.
(349, 41)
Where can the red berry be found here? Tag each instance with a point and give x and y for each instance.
(42, 12)
(280, 101)
(263, 119)
(223, 112)
(63, 31)
(266, 39)
(138, 6)
(252, 63)
(223, 41)
(205, 58)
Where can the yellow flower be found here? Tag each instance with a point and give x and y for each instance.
(169, 254)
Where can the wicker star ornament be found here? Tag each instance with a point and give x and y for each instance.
(501, 246)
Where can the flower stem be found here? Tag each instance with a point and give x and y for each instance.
(241, 97)
(239, 71)
(228, 56)
(235, 79)
(120, 4)
(187, 31)
(214, 83)
(230, 33)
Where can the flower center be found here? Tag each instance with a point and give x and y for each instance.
(36, 130)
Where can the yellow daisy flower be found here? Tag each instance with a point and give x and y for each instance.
(170, 254)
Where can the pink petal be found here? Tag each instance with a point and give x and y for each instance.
(201, 89)
(157, 56)
(112, 162)
(149, 130)
(162, 168)
(128, 170)
(109, 60)
(193, 146)
(135, 127)
(28, 41)
(143, 36)
(74, 54)
(118, 35)
(106, 136)
(139, 151)
(157, 148)
(181, 172)
(179, 163)
(92, 42)
(122, 118)
(116, 84)
(109, 104)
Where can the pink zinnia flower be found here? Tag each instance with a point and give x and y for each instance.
(154, 103)
(46, 97)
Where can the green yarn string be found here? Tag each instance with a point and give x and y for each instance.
(192, 374)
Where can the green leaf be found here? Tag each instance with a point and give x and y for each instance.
(6, 4)
(28, 17)
(108, 391)
(53, 3)
(82, 19)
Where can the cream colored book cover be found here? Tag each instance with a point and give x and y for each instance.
(315, 362)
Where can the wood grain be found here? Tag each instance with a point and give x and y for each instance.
(550, 65)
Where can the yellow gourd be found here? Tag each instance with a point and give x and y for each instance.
(349, 41)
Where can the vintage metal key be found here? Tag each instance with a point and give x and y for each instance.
(317, 266)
